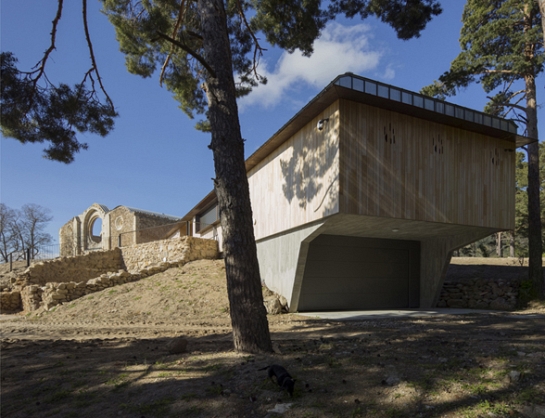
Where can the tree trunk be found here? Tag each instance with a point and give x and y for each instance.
(499, 249)
(541, 4)
(512, 244)
(535, 246)
(248, 313)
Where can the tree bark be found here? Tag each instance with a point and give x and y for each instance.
(499, 248)
(541, 4)
(248, 313)
(535, 245)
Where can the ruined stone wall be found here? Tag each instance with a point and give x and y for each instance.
(68, 238)
(10, 302)
(187, 248)
(122, 222)
(68, 269)
(150, 227)
(477, 293)
(59, 281)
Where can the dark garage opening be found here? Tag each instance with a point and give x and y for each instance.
(354, 273)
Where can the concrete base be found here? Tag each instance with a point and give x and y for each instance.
(368, 315)
(282, 260)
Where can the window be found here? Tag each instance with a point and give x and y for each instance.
(207, 218)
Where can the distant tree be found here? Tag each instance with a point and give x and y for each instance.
(8, 240)
(22, 230)
(34, 219)
(502, 46)
(199, 45)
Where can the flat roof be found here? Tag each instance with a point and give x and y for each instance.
(363, 90)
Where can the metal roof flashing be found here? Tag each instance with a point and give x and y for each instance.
(418, 105)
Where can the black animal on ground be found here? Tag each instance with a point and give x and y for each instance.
(283, 378)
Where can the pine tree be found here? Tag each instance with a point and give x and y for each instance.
(199, 45)
(502, 47)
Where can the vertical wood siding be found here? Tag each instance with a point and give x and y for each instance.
(298, 182)
(394, 165)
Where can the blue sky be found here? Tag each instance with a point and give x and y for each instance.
(155, 159)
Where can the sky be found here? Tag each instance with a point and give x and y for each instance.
(154, 159)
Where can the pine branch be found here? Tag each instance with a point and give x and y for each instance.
(174, 32)
(257, 47)
(91, 52)
(184, 47)
(41, 65)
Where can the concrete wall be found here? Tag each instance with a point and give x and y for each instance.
(282, 261)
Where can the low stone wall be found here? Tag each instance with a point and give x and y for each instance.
(187, 248)
(480, 294)
(144, 260)
(66, 269)
(10, 302)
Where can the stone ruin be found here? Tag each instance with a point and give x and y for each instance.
(99, 228)
(50, 283)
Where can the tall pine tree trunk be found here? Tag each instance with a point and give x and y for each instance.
(541, 4)
(499, 248)
(535, 246)
(248, 314)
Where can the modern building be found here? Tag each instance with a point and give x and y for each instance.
(361, 198)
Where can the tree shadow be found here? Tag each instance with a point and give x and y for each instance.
(390, 367)
(308, 174)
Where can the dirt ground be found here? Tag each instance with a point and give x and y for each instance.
(108, 354)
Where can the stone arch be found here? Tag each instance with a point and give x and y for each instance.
(93, 227)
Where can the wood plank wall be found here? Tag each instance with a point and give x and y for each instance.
(394, 165)
(299, 181)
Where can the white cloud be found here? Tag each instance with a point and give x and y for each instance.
(340, 49)
(389, 73)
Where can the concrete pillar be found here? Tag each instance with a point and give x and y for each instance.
(282, 261)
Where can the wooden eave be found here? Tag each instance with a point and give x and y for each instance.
(208, 200)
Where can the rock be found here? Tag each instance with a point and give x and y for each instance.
(393, 377)
(500, 304)
(273, 305)
(283, 302)
(457, 303)
(534, 411)
(280, 408)
(177, 346)
(514, 376)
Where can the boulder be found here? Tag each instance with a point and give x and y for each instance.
(273, 305)
(177, 346)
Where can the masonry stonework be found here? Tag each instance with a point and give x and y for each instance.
(99, 228)
(478, 293)
(46, 284)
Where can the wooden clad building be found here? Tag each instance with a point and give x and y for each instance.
(360, 199)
